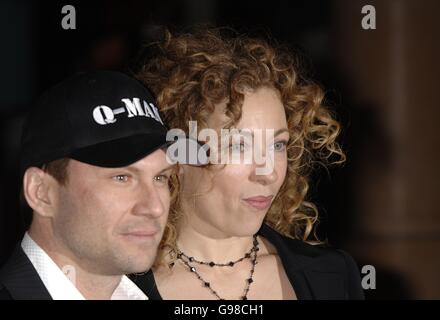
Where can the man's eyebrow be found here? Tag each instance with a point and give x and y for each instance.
(131, 169)
(137, 170)
(171, 166)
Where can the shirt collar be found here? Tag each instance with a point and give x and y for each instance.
(57, 282)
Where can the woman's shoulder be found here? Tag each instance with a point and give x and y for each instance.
(320, 257)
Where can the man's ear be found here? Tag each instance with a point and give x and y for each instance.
(37, 190)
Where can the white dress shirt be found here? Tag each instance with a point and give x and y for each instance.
(58, 283)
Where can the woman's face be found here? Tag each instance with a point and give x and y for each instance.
(233, 199)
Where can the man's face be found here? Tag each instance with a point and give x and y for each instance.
(110, 221)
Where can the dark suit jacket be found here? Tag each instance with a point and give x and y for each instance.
(20, 281)
(315, 272)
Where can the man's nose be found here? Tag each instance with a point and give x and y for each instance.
(149, 202)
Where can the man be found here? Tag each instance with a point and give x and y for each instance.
(96, 178)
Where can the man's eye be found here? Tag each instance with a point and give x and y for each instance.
(121, 178)
(161, 178)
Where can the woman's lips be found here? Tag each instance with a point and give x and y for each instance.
(259, 202)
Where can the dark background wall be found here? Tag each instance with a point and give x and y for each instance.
(380, 206)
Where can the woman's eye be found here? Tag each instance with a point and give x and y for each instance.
(121, 178)
(280, 146)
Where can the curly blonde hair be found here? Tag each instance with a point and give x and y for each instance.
(192, 73)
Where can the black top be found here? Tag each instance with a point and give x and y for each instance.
(20, 281)
(315, 272)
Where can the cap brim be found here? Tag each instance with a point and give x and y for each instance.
(121, 152)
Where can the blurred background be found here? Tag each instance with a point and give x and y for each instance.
(382, 84)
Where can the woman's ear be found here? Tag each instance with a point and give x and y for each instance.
(37, 185)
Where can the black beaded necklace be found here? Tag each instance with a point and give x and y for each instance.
(251, 254)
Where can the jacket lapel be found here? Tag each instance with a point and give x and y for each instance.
(325, 285)
(311, 277)
(21, 279)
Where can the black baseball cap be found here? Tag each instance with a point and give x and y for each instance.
(102, 118)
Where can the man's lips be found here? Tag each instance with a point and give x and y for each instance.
(141, 234)
(259, 202)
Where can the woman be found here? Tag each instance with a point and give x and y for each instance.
(237, 230)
